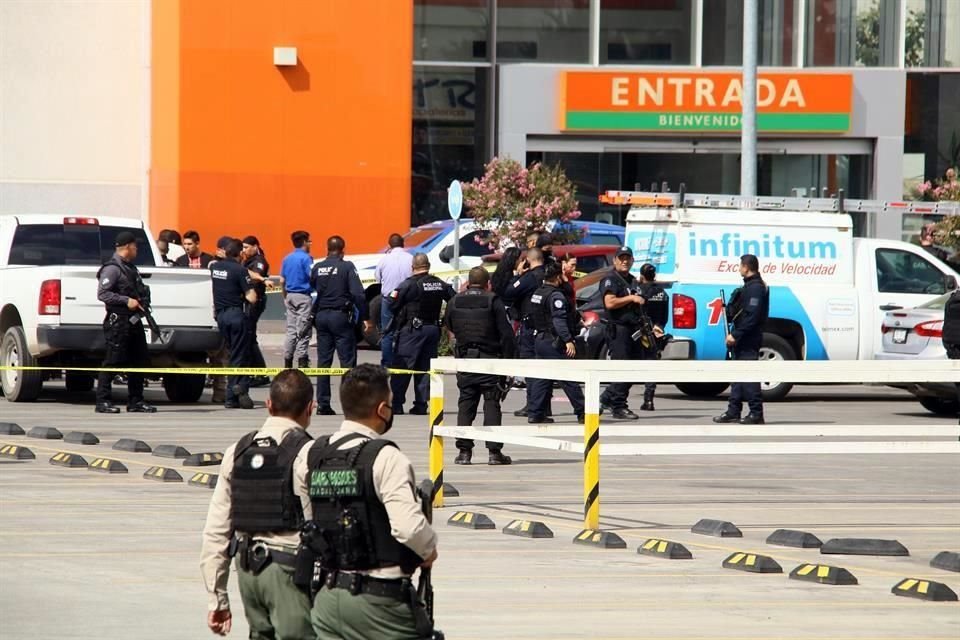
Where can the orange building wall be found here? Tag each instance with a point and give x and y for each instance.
(241, 147)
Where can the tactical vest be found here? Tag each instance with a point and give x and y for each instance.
(128, 284)
(262, 484)
(474, 324)
(527, 305)
(540, 314)
(428, 302)
(656, 302)
(628, 315)
(352, 527)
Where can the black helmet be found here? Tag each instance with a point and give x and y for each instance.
(648, 271)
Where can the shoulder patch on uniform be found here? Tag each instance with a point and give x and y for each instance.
(754, 302)
(105, 281)
(558, 303)
(393, 294)
(608, 282)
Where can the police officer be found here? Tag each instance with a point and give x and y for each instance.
(416, 305)
(555, 323)
(259, 270)
(233, 299)
(478, 321)
(655, 307)
(622, 300)
(255, 517)
(518, 296)
(125, 297)
(747, 310)
(358, 491)
(340, 303)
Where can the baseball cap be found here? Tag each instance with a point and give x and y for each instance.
(124, 238)
(624, 251)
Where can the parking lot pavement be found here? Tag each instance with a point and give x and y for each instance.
(94, 555)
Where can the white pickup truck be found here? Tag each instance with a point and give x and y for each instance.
(50, 315)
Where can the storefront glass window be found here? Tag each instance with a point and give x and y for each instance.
(450, 30)
(849, 33)
(645, 31)
(933, 33)
(723, 40)
(449, 134)
(543, 30)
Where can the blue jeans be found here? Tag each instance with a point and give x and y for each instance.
(386, 339)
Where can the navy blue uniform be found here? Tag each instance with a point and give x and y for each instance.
(259, 265)
(555, 322)
(622, 324)
(517, 296)
(751, 309)
(126, 342)
(340, 304)
(416, 306)
(656, 307)
(231, 282)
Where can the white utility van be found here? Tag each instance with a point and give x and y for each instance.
(828, 290)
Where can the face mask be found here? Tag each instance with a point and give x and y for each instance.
(387, 423)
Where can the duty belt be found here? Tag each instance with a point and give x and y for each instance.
(357, 583)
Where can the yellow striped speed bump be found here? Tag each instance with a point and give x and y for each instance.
(791, 538)
(206, 480)
(664, 549)
(716, 528)
(209, 459)
(16, 452)
(162, 474)
(45, 433)
(823, 574)
(924, 590)
(752, 563)
(471, 520)
(131, 445)
(106, 465)
(528, 529)
(864, 547)
(600, 539)
(946, 560)
(170, 451)
(10, 429)
(69, 460)
(81, 437)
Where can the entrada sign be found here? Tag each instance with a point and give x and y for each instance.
(787, 102)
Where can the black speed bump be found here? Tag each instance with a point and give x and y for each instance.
(203, 459)
(162, 474)
(450, 491)
(946, 560)
(752, 563)
(528, 529)
(70, 460)
(716, 528)
(471, 520)
(106, 465)
(791, 538)
(81, 437)
(16, 452)
(864, 547)
(207, 480)
(600, 539)
(823, 574)
(10, 429)
(664, 549)
(924, 590)
(170, 451)
(45, 433)
(134, 446)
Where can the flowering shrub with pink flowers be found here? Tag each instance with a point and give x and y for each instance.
(511, 201)
(934, 191)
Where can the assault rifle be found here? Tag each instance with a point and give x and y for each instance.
(152, 323)
(425, 588)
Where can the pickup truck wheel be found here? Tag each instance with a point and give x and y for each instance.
(775, 348)
(940, 406)
(79, 382)
(184, 388)
(702, 389)
(18, 386)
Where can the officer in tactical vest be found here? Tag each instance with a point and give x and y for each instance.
(126, 299)
(340, 304)
(555, 324)
(366, 525)
(255, 518)
(654, 319)
(416, 305)
(747, 311)
(623, 302)
(478, 321)
(517, 296)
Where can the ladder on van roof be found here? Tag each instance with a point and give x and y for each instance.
(839, 204)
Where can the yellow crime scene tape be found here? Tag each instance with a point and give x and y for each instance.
(209, 371)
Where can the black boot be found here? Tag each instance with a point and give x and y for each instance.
(303, 363)
(464, 457)
(497, 458)
(106, 407)
(647, 402)
(288, 363)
